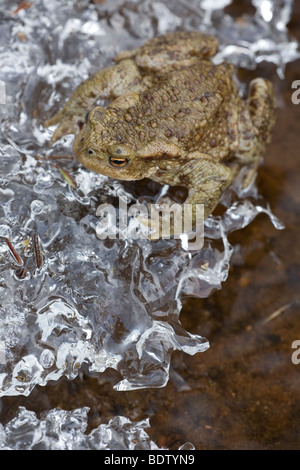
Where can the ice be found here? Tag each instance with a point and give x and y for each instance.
(277, 12)
(67, 312)
(69, 300)
(65, 430)
(166, 19)
(258, 38)
(106, 303)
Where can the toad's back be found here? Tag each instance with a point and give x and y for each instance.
(184, 107)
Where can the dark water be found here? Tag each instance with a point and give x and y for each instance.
(243, 393)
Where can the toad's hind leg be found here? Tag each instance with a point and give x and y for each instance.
(107, 83)
(177, 48)
(261, 109)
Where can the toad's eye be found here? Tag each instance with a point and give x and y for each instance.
(87, 117)
(118, 162)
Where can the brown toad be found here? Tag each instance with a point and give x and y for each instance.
(175, 118)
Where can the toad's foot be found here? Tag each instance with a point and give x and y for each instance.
(69, 124)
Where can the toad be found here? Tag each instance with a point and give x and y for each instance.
(173, 116)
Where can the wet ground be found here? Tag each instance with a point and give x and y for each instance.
(243, 393)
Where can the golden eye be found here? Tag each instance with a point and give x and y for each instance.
(118, 162)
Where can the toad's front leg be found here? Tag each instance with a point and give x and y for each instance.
(205, 180)
(108, 83)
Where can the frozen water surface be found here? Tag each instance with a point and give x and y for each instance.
(65, 430)
(67, 297)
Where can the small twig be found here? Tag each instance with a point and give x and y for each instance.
(21, 273)
(13, 252)
(37, 251)
(23, 6)
(69, 179)
(278, 312)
